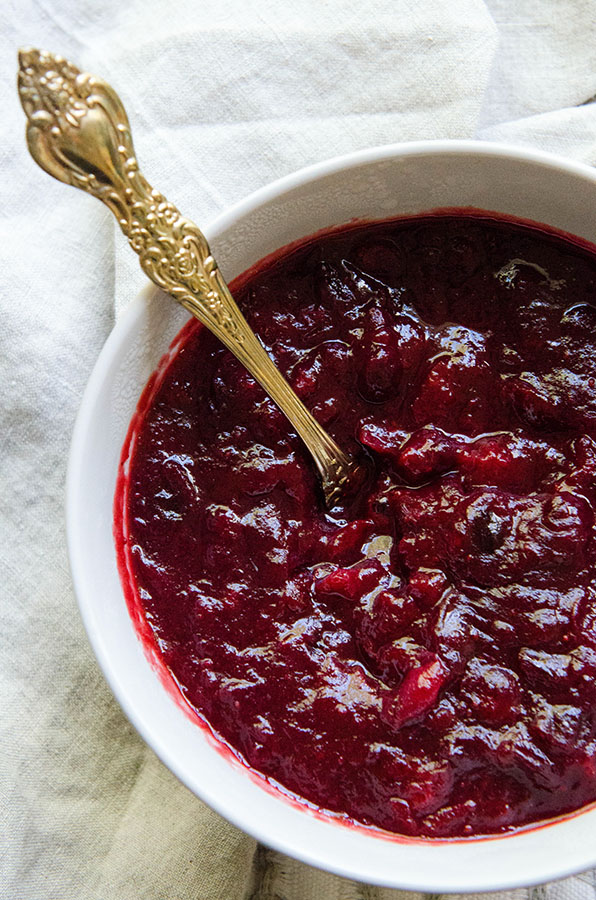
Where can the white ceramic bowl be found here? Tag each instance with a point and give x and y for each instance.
(374, 184)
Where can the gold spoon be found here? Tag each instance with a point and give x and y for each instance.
(78, 131)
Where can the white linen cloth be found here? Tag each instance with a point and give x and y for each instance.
(223, 95)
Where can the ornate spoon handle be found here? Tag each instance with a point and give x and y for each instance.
(78, 131)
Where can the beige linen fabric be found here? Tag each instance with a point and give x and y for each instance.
(224, 95)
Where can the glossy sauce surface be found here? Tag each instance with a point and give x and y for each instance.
(424, 661)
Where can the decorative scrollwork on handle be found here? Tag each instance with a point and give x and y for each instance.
(78, 131)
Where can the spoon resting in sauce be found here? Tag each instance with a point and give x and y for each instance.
(78, 132)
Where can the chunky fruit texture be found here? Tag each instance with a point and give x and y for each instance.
(425, 660)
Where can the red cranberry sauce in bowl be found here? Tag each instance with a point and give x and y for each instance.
(423, 661)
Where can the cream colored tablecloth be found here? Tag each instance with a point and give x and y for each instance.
(224, 95)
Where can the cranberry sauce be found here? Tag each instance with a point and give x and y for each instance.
(425, 661)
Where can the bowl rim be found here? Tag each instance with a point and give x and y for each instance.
(549, 868)
(446, 147)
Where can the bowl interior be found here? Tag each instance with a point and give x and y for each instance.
(388, 181)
